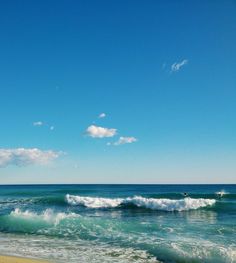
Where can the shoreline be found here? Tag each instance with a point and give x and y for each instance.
(16, 259)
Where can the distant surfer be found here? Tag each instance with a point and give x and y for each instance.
(185, 194)
(220, 194)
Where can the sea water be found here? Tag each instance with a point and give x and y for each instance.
(119, 223)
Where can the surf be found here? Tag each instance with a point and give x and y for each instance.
(162, 204)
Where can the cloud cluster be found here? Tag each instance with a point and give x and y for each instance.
(40, 123)
(177, 66)
(95, 131)
(100, 132)
(24, 157)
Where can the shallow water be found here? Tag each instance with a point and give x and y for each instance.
(119, 223)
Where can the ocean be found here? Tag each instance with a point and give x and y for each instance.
(119, 223)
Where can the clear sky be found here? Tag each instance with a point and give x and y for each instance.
(117, 91)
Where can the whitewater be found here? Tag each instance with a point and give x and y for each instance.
(139, 201)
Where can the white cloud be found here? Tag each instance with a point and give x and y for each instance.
(177, 66)
(24, 157)
(102, 115)
(38, 123)
(100, 132)
(124, 140)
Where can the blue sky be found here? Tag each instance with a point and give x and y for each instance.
(162, 72)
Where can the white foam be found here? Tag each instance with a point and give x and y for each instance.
(71, 250)
(48, 216)
(150, 203)
(93, 202)
(172, 205)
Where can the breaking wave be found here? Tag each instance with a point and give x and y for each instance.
(47, 216)
(30, 222)
(142, 202)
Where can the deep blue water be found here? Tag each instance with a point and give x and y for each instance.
(119, 223)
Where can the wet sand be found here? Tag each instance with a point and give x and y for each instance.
(11, 259)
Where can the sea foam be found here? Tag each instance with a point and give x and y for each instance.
(93, 202)
(47, 216)
(139, 201)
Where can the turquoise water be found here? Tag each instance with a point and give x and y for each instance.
(119, 223)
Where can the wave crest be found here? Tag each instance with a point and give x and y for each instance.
(93, 202)
(47, 216)
(139, 201)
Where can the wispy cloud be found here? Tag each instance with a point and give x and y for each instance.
(102, 115)
(177, 66)
(40, 123)
(100, 132)
(123, 140)
(24, 157)
(37, 123)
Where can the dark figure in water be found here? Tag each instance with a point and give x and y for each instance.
(185, 194)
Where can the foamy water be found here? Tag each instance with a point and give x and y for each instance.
(139, 201)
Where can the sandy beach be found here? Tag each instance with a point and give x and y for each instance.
(11, 259)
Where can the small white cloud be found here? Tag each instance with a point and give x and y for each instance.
(37, 123)
(100, 132)
(52, 128)
(124, 140)
(177, 66)
(24, 157)
(102, 115)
